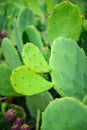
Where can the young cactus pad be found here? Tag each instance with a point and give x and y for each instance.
(65, 114)
(69, 68)
(65, 16)
(33, 58)
(27, 82)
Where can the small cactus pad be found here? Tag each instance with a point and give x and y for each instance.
(66, 113)
(69, 68)
(27, 82)
(10, 53)
(33, 58)
(65, 16)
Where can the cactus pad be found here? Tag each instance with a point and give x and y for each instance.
(69, 68)
(6, 88)
(33, 58)
(26, 18)
(65, 16)
(38, 101)
(65, 114)
(34, 36)
(10, 53)
(27, 82)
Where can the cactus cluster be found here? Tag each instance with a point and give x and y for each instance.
(44, 60)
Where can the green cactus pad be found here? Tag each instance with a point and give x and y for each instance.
(27, 82)
(66, 21)
(18, 36)
(65, 114)
(34, 36)
(33, 58)
(10, 53)
(38, 101)
(26, 18)
(69, 68)
(36, 6)
(6, 88)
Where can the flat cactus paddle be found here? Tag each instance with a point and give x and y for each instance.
(34, 59)
(28, 82)
(65, 113)
(69, 68)
(65, 20)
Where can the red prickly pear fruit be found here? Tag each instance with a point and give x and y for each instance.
(3, 34)
(18, 121)
(15, 127)
(10, 115)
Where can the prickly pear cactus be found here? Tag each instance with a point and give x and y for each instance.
(37, 6)
(25, 18)
(10, 54)
(69, 64)
(33, 58)
(65, 16)
(38, 101)
(65, 114)
(6, 88)
(33, 36)
(27, 82)
(18, 36)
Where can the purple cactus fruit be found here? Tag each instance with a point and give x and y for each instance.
(18, 121)
(10, 115)
(25, 127)
(3, 34)
(15, 127)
